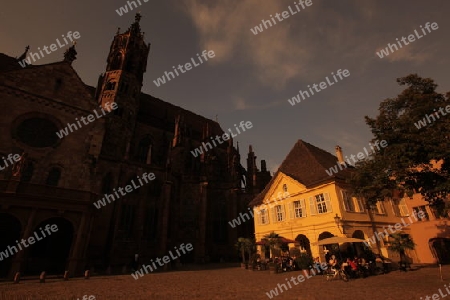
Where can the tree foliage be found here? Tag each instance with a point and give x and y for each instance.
(408, 160)
(371, 181)
(399, 243)
(245, 245)
(273, 240)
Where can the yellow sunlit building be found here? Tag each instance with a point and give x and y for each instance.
(314, 206)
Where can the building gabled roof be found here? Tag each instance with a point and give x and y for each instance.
(306, 164)
(8, 63)
(57, 81)
(156, 112)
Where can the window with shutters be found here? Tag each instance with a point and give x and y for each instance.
(320, 204)
(279, 213)
(263, 216)
(395, 208)
(378, 208)
(399, 207)
(424, 213)
(361, 207)
(347, 199)
(404, 212)
(299, 209)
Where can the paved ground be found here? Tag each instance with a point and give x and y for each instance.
(232, 283)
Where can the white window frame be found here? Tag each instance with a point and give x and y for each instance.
(298, 209)
(263, 217)
(279, 213)
(320, 203)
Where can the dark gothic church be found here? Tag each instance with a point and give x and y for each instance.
(57, 180)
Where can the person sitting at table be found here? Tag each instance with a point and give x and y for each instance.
(317, 266)
(352, 264)
(333, 262)
(351, 267)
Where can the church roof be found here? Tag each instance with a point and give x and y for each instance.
(160, 114)
(307, 164)
(152, 111)
(155, 112)
(8, 63)
(57, 82)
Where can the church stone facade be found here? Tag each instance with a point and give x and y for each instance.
(57, 180)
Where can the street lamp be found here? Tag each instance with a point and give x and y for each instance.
(337, 220)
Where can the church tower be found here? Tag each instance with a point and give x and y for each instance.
(122, 84)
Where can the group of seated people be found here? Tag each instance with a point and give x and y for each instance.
(285, 263)
(351, 266)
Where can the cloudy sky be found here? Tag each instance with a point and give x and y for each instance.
(252, 76)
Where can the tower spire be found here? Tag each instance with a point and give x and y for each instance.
(138, 17)
(135, 28)
(22, 57)
(71, 54)
(122, 84)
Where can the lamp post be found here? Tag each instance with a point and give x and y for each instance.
(337, 220)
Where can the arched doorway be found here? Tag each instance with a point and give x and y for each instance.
(10, 229)
(325, 235)
(51, 253)
(357, 249)
(358, 234)
(327, 249)
(304, 244)
(440, 248)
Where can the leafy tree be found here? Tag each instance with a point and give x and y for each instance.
(250, 246)
(274, 240)
(413, 147)
(241, 246)
(370, 181)
(399, 243)
(245, 245)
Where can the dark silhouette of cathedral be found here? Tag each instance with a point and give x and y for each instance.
(57, 180)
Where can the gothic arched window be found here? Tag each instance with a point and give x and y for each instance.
(37, 132)
(117, 62)
(135, 180)
(27, 172)
(127, 219)
(144, 150)
(110, 86)
(107, 184)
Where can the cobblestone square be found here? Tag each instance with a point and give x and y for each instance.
(232, 283)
